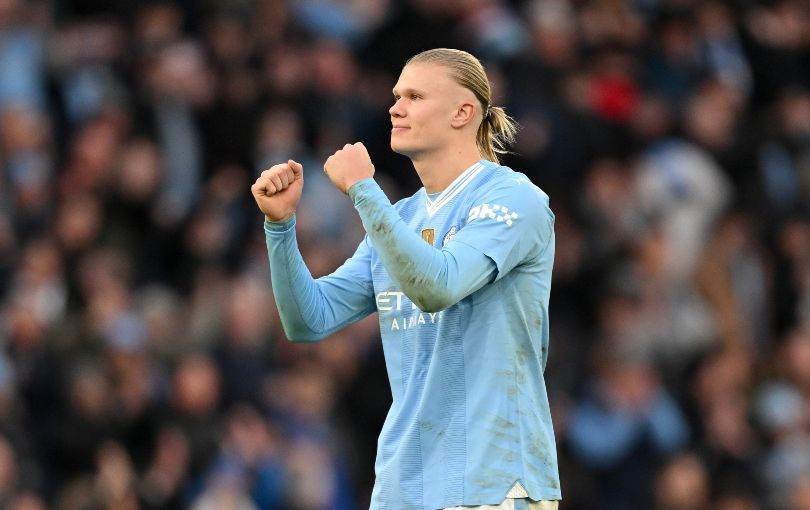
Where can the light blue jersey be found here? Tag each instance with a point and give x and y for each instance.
(461, 284)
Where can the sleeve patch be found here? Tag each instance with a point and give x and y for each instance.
(496, 212)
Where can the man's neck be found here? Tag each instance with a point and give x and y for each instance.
(437, 172)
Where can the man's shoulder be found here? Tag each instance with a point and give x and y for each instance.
(505, 184)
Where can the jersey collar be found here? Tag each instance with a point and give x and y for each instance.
(454, 189)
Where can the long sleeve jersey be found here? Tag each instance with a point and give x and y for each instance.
(461, 284)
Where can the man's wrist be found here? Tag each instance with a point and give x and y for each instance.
(279, 226)
(359, 187)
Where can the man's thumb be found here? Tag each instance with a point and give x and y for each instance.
(297, 168)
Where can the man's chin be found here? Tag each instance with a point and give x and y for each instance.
(400, 149)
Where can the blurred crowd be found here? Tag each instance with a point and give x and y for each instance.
(143, 365)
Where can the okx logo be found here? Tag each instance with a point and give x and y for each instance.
(496, 212)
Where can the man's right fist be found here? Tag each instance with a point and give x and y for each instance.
(278, 190)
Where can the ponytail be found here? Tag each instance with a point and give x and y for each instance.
(496, 133)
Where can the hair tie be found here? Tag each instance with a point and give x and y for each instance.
(486, 113)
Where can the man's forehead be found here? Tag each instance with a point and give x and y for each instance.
(425, 77)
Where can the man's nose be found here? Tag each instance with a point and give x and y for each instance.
(396, 109)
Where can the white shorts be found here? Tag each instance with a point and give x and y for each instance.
(513, 504)
(516, 499)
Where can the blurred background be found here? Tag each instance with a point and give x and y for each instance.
(142, 362)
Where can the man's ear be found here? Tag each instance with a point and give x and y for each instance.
(463, 115)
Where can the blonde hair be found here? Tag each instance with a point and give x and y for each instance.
(497, 130)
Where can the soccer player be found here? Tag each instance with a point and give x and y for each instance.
(460, 275)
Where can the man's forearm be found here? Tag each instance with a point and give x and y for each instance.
(294, 288)
(432, 279)
(312, 309)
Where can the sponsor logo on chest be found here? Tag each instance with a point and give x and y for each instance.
(394, 306)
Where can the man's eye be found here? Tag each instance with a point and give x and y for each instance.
(416, 96)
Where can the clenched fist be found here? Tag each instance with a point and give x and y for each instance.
(278, 190)
(348, 166)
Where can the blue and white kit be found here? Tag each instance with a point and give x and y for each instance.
(461, 283)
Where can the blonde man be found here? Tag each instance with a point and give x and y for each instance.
(460, 275)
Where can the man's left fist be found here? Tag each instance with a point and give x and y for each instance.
(349, 165)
